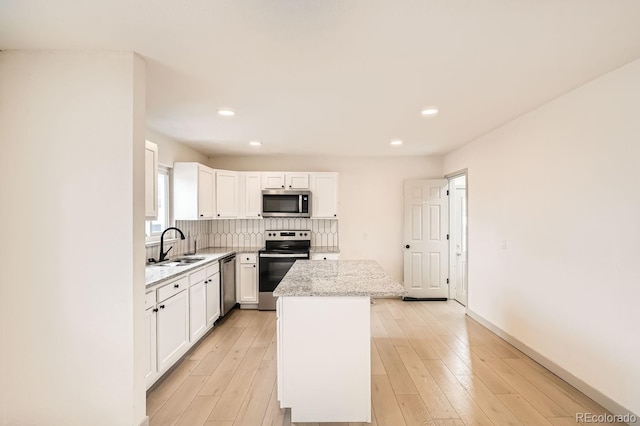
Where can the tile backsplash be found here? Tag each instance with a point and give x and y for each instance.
(242, 233)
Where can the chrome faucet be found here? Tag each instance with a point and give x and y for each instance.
(163, 254)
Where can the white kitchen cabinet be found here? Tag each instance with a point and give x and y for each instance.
(324, 358)
(193, 191)
(324, 190)
(285, 180)
(324, 256)
(251, 195)
(247, 288)
(212, 292)
(172, 322)
(150, 360)
(151, 180)
(227, 205)
(197, 305)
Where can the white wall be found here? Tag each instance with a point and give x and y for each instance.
(170, 150)
(370, 215)
(560, 186)
(72, 275)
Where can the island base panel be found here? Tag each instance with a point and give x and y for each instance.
(324, 358)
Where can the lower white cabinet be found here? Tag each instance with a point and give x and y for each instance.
(247, 288)
(212, 292)
(197, 310)
(172, 328)
(324, 256)
(186, 308)
(150, 364)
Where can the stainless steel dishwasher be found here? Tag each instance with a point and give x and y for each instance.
(227, 284)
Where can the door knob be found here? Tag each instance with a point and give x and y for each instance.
(407, 246)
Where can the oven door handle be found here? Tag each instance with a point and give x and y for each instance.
(281, 255)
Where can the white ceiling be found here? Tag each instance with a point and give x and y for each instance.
(339, 76)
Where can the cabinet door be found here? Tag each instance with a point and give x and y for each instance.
(206, 178)
(151, 180)
(212, 290)
(197, 311)
(248, 283)
(150, 360)
(273, 180)
(253, 195)
(297, 180)
(324, 187)
(226, 194)
(173, 329)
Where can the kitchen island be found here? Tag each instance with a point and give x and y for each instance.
(324, 338)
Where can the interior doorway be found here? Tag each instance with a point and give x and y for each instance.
(458, 253)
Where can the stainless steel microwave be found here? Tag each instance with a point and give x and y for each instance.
(286, 203)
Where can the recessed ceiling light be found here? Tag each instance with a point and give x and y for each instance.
(255, 143)
(396, 142)
(226, 112)
(429, 112)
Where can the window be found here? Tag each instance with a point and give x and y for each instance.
(153, 228)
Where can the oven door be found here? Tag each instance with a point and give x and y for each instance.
(274, 266)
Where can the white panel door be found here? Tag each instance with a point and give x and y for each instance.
(253, 195)
(248, 283)
(206, 178)
(324, 195)
(212, 289)
(150, 366)
(458, 239)
(426, 227)
(273, 180)
(297, 180)
(226, 194)
(197, 310)
(173, 329)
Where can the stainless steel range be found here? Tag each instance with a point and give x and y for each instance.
(282, 249)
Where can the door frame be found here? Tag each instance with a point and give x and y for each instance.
(450, 177)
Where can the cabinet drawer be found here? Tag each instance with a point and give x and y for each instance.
(149, 300)
(247, 258)
(196, 277)
(325, 256)
(174, 287)
(212, 269)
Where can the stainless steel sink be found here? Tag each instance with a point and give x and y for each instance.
(179, 261)
(188, 259)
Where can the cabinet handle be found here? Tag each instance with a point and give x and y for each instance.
(325, 258)
(218, 214)
(201, 215)
(258, 214)
(161, 306)
(176, 286)
(289, 186)
(335, 215)
(155, 310)
(254, 266)
(283, 186)
(407, 246)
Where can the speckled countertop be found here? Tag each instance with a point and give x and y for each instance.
(325, 249)
(338, 278)
(155, 274)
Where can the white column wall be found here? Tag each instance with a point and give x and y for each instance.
(559, 187)
(72, 258)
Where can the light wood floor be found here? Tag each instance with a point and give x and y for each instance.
(430, 365)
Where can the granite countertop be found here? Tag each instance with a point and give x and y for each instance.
(338, 278)
(325, 249)
(155, 274)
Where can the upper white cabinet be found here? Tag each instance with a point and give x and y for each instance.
(251, 195)
(285, 180)
(193, 191)
(151, 180)
(227, 205)
(324, 190)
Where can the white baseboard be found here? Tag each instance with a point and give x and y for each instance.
(591, 392)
